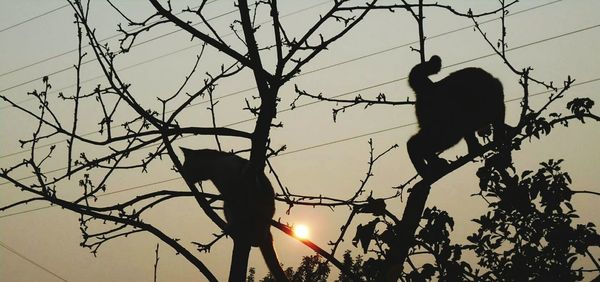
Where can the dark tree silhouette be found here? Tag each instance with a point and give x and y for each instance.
(528, 232)
(158, 129)
(401, 238)
(311, 268)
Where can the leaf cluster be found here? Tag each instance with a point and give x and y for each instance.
(530, 233)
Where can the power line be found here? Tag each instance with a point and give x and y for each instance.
(385, 51)
(32, 18)
(74, 50)
(430, 37)
(345, 93)
(3, 245)
(319, 69)
(140, 63)
(414, 123)
(294, 151)
(462, 62)
(360, 89)
(94, 59)
(143, 62)
(101, 76)
(134, 45)
(322, 68)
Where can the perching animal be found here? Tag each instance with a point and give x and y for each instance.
(248, 205)
(453, 108)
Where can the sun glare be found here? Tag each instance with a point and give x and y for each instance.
(301, 231)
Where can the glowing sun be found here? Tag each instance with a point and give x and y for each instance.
(301, 231)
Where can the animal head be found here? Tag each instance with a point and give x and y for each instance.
(418, 79)
(434, 64)
(196, 166)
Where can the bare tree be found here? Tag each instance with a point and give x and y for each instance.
(160, 129)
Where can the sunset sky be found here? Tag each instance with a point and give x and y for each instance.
(323, 157)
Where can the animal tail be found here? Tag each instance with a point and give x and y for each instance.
(418, 79)
(268, 251)
(239, 261)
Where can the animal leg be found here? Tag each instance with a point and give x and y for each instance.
(436, 165)
(421, 149)
(415, 152)
(472, 143)
(239, 260)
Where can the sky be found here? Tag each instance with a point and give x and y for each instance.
(323, 157)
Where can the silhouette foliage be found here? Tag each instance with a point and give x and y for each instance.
(528, 234)
(312, 268)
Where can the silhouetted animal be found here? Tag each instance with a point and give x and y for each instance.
(453, 108)
(249, 205)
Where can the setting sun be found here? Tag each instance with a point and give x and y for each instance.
(301, 231)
